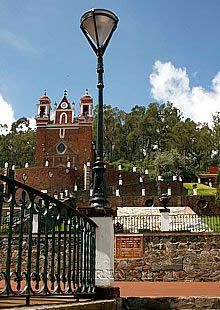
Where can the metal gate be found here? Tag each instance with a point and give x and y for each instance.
(47, 248)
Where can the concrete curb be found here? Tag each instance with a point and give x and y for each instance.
(90, 305)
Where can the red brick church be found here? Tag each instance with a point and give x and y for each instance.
(64, 148)
(66, 141)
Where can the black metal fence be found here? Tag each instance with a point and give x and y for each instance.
(194, 223)
(137, 224)
(46, 247)
(177, 222)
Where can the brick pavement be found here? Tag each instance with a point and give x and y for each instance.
(138, 289)
(168, 289)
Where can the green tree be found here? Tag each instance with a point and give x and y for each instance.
(216, 139)
(137, 137)
(133, 134)
(113, 131)
(170, 163)
(18, 146)
(157, 124)
(194, 141)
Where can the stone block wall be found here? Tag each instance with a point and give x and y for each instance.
(131, 184)
(24, 256)
(169, 303)
(173, 257)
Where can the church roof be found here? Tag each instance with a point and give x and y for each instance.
(64, 99)
(86, 97)
(45, 97)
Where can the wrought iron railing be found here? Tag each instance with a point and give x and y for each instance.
(135, 224)
(48, 250)
(177, 222)
(194, 223)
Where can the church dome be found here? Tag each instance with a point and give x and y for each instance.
(86, 95)
(45, 97)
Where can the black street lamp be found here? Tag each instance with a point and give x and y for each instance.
(98, 26)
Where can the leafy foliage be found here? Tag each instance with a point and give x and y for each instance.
(18, 145)
(170, 163)
(157, 138)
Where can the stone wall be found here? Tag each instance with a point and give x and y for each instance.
(169, 303)
(132, 186)
(24, 255)
(173, 257)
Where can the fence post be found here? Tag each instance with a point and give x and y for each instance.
(104, 251)
(35, 224)
(165, 225)
(195, 190)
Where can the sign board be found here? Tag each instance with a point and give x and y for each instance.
(129, 246)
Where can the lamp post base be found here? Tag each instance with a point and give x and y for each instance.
(98, 199)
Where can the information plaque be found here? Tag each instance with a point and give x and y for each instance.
(130, 246)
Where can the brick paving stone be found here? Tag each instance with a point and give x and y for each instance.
(168, 289)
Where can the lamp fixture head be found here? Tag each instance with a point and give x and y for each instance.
(98, 26)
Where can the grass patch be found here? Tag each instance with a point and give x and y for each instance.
(213, 222)
(202, 190)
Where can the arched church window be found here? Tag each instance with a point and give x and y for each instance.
(63, 118)
(42, 111)
(85, 110)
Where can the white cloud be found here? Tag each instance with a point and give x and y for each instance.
(32, 122)
(16, 41)
(169, 83)
(24, 127)
(195, 74)
(7, 117)
(7, 113)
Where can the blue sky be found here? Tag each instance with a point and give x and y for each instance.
(162, 50)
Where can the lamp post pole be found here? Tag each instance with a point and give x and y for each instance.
(100, 86)
(99, 199)
(98, 26)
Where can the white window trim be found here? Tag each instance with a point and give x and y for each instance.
(62, 133)
(61, 116)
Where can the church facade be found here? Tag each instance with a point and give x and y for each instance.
(66, 141)
(64, 150)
